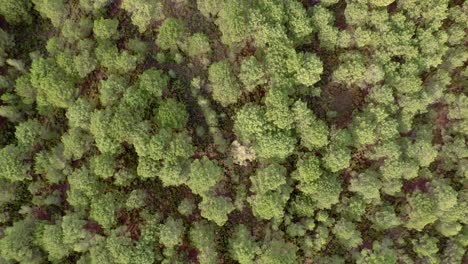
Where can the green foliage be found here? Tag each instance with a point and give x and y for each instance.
(282, 60)
(9, 192)
(16, 11)
(426, 248)
(186, 207)
(278, 251)
(328, 192)
(12, 166)
(113, 60)
(136, 199)
(269, 178)
(170, 33)
(313, 131)
(242, 245)
(307, 172)
(363, 130)
(270, 205)
(277, 108)
(385, 218)
(76, 143)
(198, 44)
(216, 209)
(29, 133)
(93, 5)
(103, 210)
(154, 81)
(420, 209)
(209, 7)
(337, 155)
(170, 233)
(346, 233)
(112, 89)
(52, 85)
(106, 28)
(299, 23)
(250, 122)
(171, 114)
(79, 114)
(204, 174)
(105, 139)
(103, 165)
(423, 152)
(273, 145)
(232, 20)
(351, 69)
(143, 12)
(202, 236)
(51, 240)
(55, 10)
(310, 70)
(366, 184)
(251, 73)
(381, 253)
(16, 244)
(74, 31)
(120, 248)
(225, 86)
(268, 131)
(84, 63)
(73, 232)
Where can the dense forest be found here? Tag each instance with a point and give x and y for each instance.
(233, 131)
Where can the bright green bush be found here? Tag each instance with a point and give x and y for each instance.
(278, 251)
(52, 241)
(171, 114)
(52, 84)
(79, 114)
(251, 73)
(366, 184)
(12, 166)
(198, 44)
(170, 233)
(420, 209)
(204, 174)
(307, 172)
(105, 28)
(16, 244)
(170, 33)
(143, 12)
(16, 11)
(216, 209)
(154, 81)
(269, 178)
(103, 210)
(347, 234)
(313, 131)
(242, 245)
(76, 143)
(225, 86)
(202, 234)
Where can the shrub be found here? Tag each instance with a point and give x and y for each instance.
(225, 86)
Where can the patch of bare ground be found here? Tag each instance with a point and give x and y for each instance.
(340, 100)
(189, 251)
(310, 3)
(114, 8)
(418, 183)
(94, 227)
(131, 220)
(441, 123)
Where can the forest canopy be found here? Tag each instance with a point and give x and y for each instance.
(233, 131)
